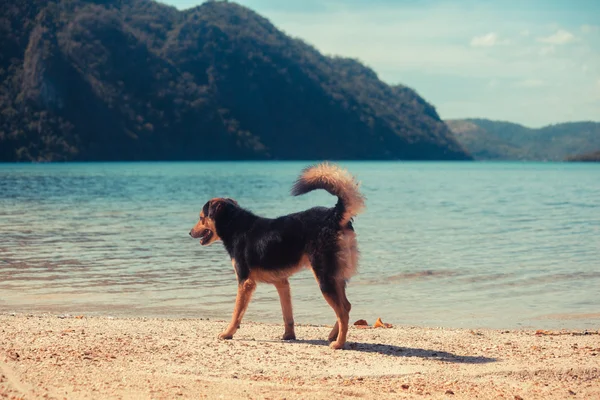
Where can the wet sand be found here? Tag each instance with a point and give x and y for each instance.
(49, 357)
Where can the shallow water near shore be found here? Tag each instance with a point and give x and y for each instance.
(500, 245)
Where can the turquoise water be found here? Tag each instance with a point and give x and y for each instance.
(500, 245)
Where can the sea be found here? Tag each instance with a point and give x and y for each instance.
(461, 244)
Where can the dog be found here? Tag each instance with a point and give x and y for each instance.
(271, 250)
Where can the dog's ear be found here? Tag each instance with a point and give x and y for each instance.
(216, 206)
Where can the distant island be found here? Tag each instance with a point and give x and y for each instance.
(499, 140)
(587, 157)
(85, 80)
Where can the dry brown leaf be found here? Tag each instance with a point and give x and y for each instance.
(361, 322)
(380, 324)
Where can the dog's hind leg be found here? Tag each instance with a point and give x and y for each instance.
(336, 327)
(285, 297)
(334, 293)
(334, 332)
(244, 294)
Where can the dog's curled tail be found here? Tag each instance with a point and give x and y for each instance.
(336, 181)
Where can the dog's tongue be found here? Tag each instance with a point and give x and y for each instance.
(206, 235)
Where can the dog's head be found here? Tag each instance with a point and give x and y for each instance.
(206, 229)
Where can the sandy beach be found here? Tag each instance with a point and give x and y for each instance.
(79, 357)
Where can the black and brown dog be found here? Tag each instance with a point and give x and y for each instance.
(271, 250)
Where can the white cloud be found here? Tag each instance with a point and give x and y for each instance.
(488, 40)
(525, 32)
(547, 50)
(559, 37)
(590, 28)
(531, 83)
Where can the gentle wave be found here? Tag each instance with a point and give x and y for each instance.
(453, 244)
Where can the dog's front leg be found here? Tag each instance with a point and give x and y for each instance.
(244, 294)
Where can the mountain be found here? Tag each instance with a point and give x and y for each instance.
(587, 157)
(497, 140)
(137, 80)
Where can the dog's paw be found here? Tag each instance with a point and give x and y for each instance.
(225, 336)
(289, 336)
(334, 333)
(336, 345)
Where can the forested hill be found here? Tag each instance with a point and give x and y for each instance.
(593, 156)
(499, 140)
(138, 80)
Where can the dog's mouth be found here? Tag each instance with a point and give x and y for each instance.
(205, 236)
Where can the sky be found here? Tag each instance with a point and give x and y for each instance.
(533, 62)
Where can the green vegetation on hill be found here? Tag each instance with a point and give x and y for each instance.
(587, 157)
(138, 80)
(496, 140)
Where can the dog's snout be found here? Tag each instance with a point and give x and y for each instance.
(190, 233)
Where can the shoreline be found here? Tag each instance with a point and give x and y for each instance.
(80, 357)
(570, 321)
